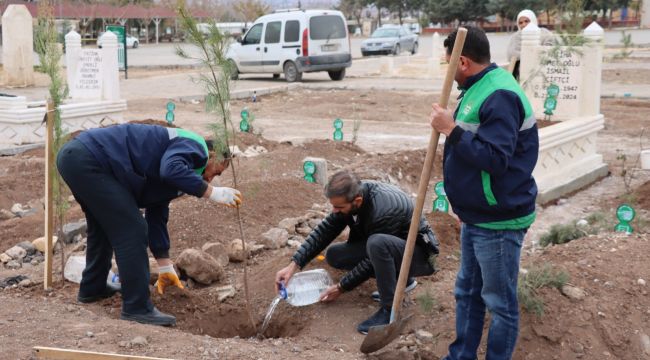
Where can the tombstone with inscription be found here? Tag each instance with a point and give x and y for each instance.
(93, 80)
(17, 47)
(563, 85)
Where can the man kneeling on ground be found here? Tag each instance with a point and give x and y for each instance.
(379, 216)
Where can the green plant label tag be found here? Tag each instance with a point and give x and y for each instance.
(550, 104)
(338, 124)
(553, 90)
(439, 189)
(623, 227)
(625, 213)
(169, 117)
(244, 114)
(244, 126)
(171, 106)
(441, 204)
(310, 169)
(338, 135)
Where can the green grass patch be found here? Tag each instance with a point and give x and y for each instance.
(536, 278)
(427, 302)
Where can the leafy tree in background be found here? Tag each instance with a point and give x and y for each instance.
(606, 5)
(509, 9)
(353, 9)
(401, 7)
(251, 9)
(447, 11)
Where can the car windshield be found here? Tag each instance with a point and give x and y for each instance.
(384, 33)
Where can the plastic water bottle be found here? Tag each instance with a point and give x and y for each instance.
(113, 278)
(305, 287)
(75, 266)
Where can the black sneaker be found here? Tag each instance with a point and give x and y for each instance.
(154, 317)
(109, 291)
(381, 317)
(410, 286)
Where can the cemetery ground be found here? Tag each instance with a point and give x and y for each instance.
(603, 313)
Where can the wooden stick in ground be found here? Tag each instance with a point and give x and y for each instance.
(65, 354)
(49, 208)
(425, 177)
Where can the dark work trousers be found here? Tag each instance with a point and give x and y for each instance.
(115, 223)
(385, 253)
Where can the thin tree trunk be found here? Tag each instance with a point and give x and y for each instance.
(378, 16)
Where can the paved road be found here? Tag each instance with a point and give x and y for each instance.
(164, 54)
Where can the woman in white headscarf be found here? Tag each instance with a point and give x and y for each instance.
(524, 18)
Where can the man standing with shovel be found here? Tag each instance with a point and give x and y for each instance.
(490, 153)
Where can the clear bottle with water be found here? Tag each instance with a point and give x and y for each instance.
(305, 287)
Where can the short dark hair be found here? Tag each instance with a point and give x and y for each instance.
(344, 183)
(477, 46)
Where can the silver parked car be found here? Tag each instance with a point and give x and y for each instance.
(390, 39)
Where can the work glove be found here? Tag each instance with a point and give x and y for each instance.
(226, 196)
(167, 277)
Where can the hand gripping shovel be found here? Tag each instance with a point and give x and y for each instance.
(380, 336)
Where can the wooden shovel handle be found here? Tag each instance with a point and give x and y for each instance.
(425, 177)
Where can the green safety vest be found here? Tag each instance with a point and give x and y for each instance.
(467, 117)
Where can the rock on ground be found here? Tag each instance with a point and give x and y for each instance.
(289, 224)
(71, 230)
(275, 238)
(16, 253)
(573, 293)
(218, 251)
(200, 266)
(39, 243)
(236, 251)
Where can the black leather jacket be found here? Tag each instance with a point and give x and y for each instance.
(385, 210)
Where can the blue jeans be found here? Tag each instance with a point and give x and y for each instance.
(487, 278)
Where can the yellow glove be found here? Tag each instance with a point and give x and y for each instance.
(167, 277)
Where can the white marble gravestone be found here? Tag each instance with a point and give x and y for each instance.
(93, 80)
(568, 158)
(17, 46)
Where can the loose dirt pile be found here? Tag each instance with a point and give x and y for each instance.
(610, 322)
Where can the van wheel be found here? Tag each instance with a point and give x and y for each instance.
(397, 50)
(291, 73)
(337, 75)
(135, 45)
(415, 49)
(234, 72)
(275, 76)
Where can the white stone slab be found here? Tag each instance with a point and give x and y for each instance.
(17, 46)
(89, 77)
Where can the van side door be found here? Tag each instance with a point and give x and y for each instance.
(272, 47)
(251, 54)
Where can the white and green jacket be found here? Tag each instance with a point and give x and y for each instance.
(491, 153)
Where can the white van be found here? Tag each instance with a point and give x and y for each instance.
(294, 42)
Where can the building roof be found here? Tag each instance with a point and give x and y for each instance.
(68, 10)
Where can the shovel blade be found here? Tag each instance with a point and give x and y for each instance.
(380, 336)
